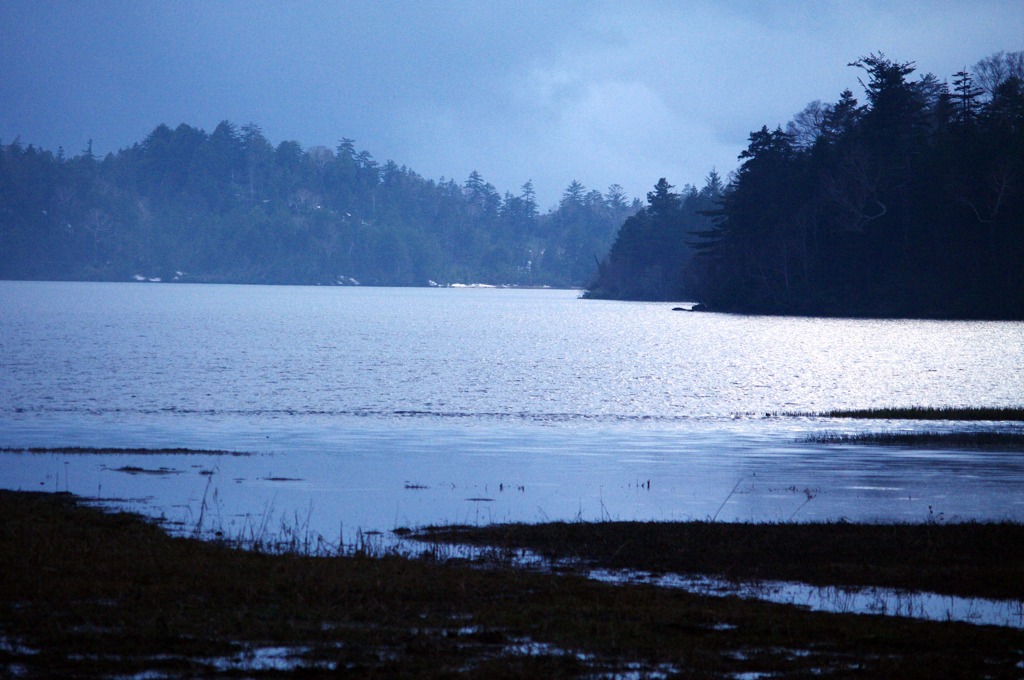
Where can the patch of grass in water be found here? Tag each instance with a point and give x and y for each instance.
(90, 450)
(992, 441)
(965, 559)
(136, 470)
(91, 594)
(928, 413)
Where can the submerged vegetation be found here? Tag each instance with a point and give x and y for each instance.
(92, 450)
(993, 441)
(93, 594)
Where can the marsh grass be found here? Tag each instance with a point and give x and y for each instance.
(991, 441)
(962, 559)
(86, 593)
(1002, 440)
(927, 413)
(92, 450)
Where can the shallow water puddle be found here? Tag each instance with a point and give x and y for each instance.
(837, 599)
(597, 669)
(247, 660)
(831, 599)
(263, 659)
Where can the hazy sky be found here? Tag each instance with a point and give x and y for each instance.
(601, 92)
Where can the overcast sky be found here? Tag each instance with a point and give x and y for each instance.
(601, 92)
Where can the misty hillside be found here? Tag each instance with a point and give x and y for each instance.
(228, 206)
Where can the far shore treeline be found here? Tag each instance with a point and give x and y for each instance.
(228, 206)
(908, 203)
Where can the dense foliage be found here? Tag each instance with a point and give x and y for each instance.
(649, 258)
(911, 204)
(229, 206)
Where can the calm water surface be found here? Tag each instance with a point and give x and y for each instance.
(378, 408)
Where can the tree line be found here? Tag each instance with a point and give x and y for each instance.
(908, 204)
(649, 259)
(228, 206)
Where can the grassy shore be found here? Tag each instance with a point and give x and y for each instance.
(964, 559)
(87, 593)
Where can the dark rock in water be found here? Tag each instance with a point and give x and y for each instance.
(699, 307)
(679, 309)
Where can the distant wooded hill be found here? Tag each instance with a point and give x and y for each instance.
(910, 204)
(228, 206)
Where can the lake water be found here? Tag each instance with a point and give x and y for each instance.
(377, 408)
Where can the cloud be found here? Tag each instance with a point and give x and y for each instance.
(598, 91)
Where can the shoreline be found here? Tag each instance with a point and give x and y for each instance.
(91, 593)
(964, 559)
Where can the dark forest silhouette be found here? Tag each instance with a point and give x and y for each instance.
(910, 204)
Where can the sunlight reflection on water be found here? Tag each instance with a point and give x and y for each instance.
(379, 408)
